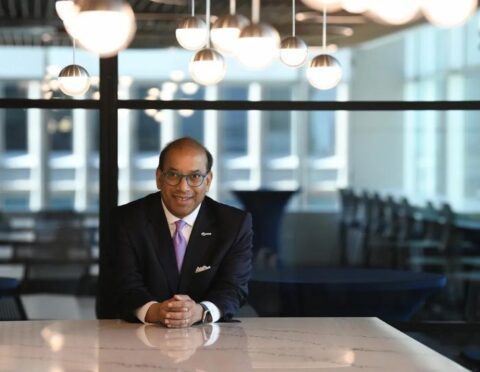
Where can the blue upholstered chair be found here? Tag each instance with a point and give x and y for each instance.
(11, 307)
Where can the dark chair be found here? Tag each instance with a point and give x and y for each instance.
(356, 250)
(432, 252)
(444, 251)
(382, 232)
(11, 306)
(346, 220)
(60, 256)
(388, 246)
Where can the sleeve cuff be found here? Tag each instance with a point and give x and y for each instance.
(141, 312)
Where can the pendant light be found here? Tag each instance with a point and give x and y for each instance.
(257, 45)
(395, 12)
(192, 32)
(445, 13)
(324, 71)
(74, 79)
(207, 66)
(65, 9)
(103, 27)
(355, 6)
(293, 50)
(332, 5)
(226, 30)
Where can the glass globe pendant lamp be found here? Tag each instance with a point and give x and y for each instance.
(192, 32)
(207, 66)
(258, 43)
(355, 6)
(226, 30)
(103, 27)
(332, 5)
(395, 12)
(65, 9)
(73, 79)
(293, 50)
(447, 13)
(324, 71)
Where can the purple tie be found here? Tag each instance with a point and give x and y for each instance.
(179, 243)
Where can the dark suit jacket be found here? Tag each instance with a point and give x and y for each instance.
(143, 265)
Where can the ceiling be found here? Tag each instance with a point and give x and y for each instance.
(35, 22)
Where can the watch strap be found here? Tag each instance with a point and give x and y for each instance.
(206, 315)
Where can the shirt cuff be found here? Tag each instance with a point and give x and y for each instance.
(141, 312)
(214, 310)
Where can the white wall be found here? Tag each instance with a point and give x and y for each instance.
(376, 139)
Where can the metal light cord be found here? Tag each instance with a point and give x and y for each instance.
(293, 17)
(324, 26)
(232, 7)
(193, 8)
(73, 52)
(208, 23)
(255, 11)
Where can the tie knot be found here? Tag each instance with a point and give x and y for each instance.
(180, 224)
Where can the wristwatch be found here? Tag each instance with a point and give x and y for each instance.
(207, 315)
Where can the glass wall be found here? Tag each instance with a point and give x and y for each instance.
(49, 206)
(49, 158)
(36, 71)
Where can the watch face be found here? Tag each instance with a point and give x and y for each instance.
(207, 316)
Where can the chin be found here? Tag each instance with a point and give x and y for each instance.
(182, 212)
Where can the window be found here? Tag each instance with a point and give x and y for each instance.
(234, 123)
(321, 128)
(15, 121)
(278, 141)
(148, 127)
(191, 121)
(60, 128)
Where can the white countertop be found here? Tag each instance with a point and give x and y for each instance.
(266, 344)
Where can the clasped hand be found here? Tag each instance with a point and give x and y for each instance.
(180, 311)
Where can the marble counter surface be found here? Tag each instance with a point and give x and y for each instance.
(266, 344)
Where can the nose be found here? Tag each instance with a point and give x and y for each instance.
(183, 185)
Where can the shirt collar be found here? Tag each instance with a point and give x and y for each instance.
(189, 219)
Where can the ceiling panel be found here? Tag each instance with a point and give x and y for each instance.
(34, 22)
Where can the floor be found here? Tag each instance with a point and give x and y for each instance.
(456, 345)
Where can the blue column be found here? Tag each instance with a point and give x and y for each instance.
(267, 208)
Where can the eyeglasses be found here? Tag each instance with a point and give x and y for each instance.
(174, 178)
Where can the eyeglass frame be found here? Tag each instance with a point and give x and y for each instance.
(182, 176)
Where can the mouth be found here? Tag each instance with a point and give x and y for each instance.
(182, 198)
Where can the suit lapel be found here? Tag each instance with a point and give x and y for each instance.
(162, 242)
(201, 239)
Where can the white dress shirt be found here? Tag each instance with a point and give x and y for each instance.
(141, 312)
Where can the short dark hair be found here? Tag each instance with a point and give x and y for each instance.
(181, 142)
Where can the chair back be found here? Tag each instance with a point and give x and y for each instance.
(11, 306)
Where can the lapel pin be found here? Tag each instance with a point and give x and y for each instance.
(206, 234)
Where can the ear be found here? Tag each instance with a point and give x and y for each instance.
(208, 180)
(158, 178)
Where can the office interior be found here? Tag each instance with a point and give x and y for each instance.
(380, 172)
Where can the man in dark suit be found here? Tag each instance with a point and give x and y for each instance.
(178, 257)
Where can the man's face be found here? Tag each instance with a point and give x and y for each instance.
(182, 199)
